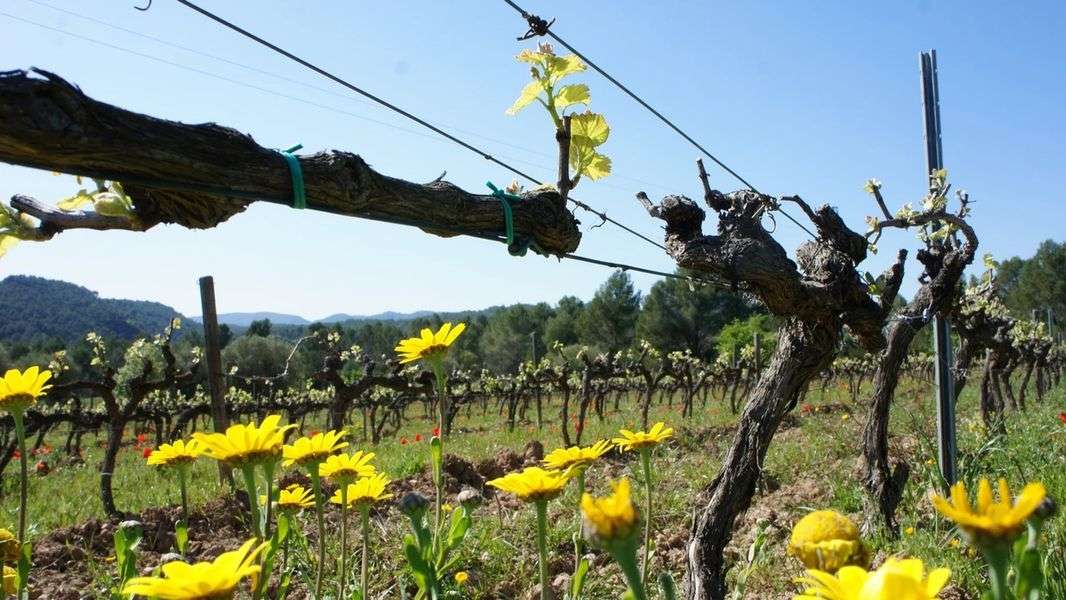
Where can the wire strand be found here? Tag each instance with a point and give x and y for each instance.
(548, 31)
(398, 110)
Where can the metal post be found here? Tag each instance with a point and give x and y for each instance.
(214, 364)
(945, 381)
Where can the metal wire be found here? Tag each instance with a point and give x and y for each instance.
(405, 113)
(537, 27)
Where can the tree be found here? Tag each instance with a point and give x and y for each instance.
(259, 328)
(609, 322)
(506, 340)
(1036, 283)
(741, 333)
(676, 316)
(256, 356)
(563, 326)
(225, 335)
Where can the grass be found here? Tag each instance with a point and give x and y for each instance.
(811, 465)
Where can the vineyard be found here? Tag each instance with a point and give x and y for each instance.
(768, 422)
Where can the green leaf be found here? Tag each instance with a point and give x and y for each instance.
(76, 201)
(588, 130)
(1030, 573)
(526, 97)
(460, 525)
(436, 457)
(561, 66)
(578, 582)
(572, 94)
(181, 536)
(666, 582)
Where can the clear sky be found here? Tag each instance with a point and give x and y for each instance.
(808, 98)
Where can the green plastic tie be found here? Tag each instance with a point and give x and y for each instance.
(513, 247)
(299, 194)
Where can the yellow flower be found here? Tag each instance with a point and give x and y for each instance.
(429, 345)
(178, 453)
(295, 498)
(643, 439)
(612, 517)
(533, 484)
(988, 519)
(909, 531)
(19, 391)
(447, 507)
(367, 490)
(897, 579)
(310, 450)
(462, 577)
(577, 457)
(201, 581)
(826, 540)
(243, 444)
(346, 468)
(10, 548)
(11, 580)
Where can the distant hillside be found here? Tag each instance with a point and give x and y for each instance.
(385, 316)
(244, 319)
(34, 307)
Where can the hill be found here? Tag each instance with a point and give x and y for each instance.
(35, 307)
(244, 319)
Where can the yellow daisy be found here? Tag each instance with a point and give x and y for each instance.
(366, 490)
(295, 498)
(243, 444)
(612, 517)
(346, 468)
(203, 580)
(988, 519)
(462, 577)
(897, 579)
(826, 540)
(10, 548)
(178, 453)
(313, 449)
(643, 439)
(11, 580)
(575, 456)
(429, 345)
(533, 484)
(19, 391)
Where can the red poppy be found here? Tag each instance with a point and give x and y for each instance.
(17, 454)
(1062, 417)
(42, 468)
(141, 438)
(403, 441)
(147, 452)
(418, 437)
(436, 432)
(807, 409)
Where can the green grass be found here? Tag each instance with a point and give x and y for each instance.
(811, 465)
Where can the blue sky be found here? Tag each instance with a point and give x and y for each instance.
(808, 98)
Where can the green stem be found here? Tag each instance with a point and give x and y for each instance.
(438, 469)
(627, 561)
(578, 539)
(184, 494)
(20, 432)
(268, 474)
(998, 565)
(645, 459)
(542, 546)
(344, 540)
(248, 472)
(364, 510)
(316, 486)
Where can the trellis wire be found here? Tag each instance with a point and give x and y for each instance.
(539, 27)
(603, 216)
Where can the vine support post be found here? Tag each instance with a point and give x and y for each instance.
(213, 352)
(945, 381)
